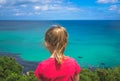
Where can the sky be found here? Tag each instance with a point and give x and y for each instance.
(59, 9)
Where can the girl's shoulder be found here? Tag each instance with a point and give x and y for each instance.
(47, 61)
(69, 59)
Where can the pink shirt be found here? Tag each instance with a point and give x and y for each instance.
(49, 70)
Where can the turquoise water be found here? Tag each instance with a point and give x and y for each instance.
(91, 43)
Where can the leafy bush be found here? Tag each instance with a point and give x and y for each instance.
(17, 77)
(101, 74)
(88, 75)
(110, 74)
(10, 70)
(9, 65)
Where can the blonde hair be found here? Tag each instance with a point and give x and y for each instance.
(57, 38)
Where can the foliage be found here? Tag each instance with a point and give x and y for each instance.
(110, 74)
(101, 74)
(10, 70)
(9, 65)
(88, 75)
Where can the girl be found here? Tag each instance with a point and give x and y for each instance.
(58, 67)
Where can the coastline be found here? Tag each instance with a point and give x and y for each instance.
(27, 65)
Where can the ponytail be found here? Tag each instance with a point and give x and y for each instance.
(58, 53)
(58, 57)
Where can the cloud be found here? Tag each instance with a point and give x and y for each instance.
(43, 8)
(3, 1)
(24, 5)
(17, 3)
(41, 1)
(55, 7)
(113, 7)
(38, 8)
(21, 2)
(107, 1)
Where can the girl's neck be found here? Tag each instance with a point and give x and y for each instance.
(53, 56)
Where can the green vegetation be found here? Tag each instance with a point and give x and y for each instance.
(101, 74)
(10, 70)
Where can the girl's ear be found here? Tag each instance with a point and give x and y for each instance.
(46, 44)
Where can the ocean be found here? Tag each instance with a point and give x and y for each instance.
(91, 42)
